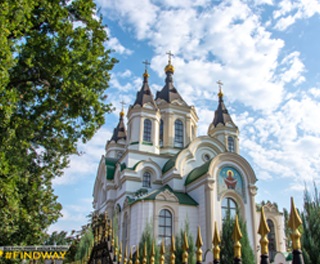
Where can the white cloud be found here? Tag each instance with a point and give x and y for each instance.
(86, 164)
(291, 11)
(74, 216)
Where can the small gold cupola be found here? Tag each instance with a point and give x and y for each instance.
(169, 67)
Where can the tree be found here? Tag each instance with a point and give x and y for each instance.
(227, 252)
(180, 243)
(147, 239)
(53, 75)
(310, 238)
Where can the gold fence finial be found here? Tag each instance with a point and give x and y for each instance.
(144, 257)
(263, 231)
(120, 253)
(199, 244)
(115, 257)
(137, 256)
(294, 223)
(130, 256)
(236, 236)
(216, 241)
(162, 252)
(125, 254)
(173, 250)
(110, 230)
(153, 253)
(185, 254)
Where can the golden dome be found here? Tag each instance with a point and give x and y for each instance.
(169, 68)
(146, 74)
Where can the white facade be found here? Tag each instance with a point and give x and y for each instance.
(160, 172)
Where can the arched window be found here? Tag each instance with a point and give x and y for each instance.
(178, 133)
(161, 133)
(228, 208)
(147, 130)
(272, 240)
(165, 226)
(146, 179)
(230, 144)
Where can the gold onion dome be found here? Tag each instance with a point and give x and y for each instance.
(122, 113)
(146, 74)
(169, 68)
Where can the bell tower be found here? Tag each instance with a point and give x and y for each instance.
(178, 124)
(144, 119)
(222, 126)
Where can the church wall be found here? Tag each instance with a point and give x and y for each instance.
(189, 214)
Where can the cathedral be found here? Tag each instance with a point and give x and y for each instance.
(158, 171)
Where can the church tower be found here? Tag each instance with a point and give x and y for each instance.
(115, 147)
(144, 120)
(222, 126)
(178, 124)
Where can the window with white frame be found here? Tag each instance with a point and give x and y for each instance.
(146, 182)
(165, 226)
(230, 144)
(147, 130)
(228, 208)
(178, 133)
(161, 133)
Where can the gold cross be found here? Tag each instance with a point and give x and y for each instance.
(169, 56)
(220, 84)
(123, 104)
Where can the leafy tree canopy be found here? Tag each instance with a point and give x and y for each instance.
(54, 70)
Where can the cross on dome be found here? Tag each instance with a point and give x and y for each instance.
(169, 56)
(220, 83)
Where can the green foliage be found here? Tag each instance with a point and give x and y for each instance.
(85, 244)
(53, 75)
(287, 230)
(180, 244)
(148, 238)
(58, 238)
(227, 252)
(310, 238)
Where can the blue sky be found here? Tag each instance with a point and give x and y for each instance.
(265, 52)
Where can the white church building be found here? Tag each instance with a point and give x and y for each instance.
(159, 171)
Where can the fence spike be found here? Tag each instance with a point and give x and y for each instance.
(137, 256)
(264, 242)
(144, 257)
(216, 241)
(236, 236)
(294, 223)
(125, 254)
(130, 256)
(173, 250)
(153, 253)
(120, 253)
(199, 244)
(185, 254)
(162, 252)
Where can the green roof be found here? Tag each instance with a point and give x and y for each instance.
(197, 172)
(111, 164)
(183, 198)
(169, 164)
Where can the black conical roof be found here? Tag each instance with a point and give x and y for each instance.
(120, 131)
(144, 95)
(221, 115)
(169, 93)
